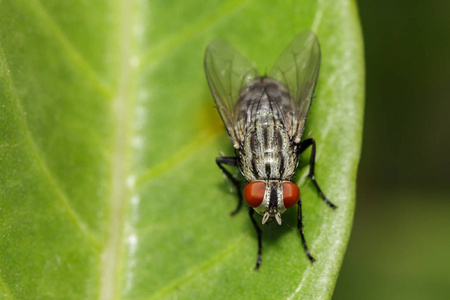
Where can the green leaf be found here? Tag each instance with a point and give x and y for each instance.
(108, 186)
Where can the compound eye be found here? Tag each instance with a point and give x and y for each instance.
(291, 194)
(254, 193)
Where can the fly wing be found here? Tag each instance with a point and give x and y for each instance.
(227, 72)
(298, 68)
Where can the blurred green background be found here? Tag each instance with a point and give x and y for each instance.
(400, 244)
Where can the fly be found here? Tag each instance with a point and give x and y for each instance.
(265, 118)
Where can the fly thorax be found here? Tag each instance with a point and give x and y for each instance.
(268, 153)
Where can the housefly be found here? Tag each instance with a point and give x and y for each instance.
(265, 118)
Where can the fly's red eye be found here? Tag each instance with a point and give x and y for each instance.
(291, 194)
(254, 193)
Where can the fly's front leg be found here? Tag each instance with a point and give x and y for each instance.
(259, 233)
(300, 229)
(231, 161)
(303, 145)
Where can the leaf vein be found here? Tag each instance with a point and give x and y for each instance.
(191, 274)
(202, 139)
(171, 43)
(40, 161)
(70, 50)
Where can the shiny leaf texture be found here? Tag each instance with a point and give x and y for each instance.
(108, 135)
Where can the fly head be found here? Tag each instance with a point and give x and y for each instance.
(271, 198)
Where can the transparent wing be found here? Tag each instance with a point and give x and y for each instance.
(227, 72)
(298, 68)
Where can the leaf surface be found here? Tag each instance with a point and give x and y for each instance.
(108, 186)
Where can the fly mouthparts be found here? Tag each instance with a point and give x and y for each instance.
(278, 218)
(265, 218)
(267, 215)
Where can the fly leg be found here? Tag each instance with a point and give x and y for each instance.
(251, 211)
(303, 145)
(300, 229)
(231, 161)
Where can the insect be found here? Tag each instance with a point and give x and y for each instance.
(265, 118)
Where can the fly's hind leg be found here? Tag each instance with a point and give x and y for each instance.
(231, 161)
(303, 146)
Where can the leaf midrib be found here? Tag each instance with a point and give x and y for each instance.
(122, 112)
(122, 179)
